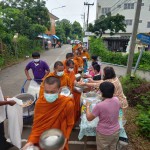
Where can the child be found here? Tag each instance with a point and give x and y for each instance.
(107, 131)
(97, 75)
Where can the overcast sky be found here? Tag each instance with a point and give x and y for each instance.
(73, 10)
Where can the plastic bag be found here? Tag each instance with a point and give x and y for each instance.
(15, 124)
(2, 108)
(34, 88)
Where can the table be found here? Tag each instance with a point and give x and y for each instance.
(88, 128)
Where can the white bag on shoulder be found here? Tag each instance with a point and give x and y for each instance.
(15, 124)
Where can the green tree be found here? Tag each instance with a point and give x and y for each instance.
(91, 27)
(112, 23)
(76, 29)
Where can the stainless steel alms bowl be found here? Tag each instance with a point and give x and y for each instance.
(52, 139)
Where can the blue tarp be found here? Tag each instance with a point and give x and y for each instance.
(55, 36)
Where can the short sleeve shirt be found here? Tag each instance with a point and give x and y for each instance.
(108, 113)
(38, 70)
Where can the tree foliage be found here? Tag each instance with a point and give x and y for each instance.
(65, 29)
(20, 16)
(112, 23)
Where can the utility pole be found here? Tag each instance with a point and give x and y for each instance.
(83, 15)
(88, 11)
(133, 37)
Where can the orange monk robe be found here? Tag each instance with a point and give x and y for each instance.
(59, 115)
(76, 96)
(76, 47)
(71, 76)
(79, 60)
(75, 66)
(85, 54)
(64, 81)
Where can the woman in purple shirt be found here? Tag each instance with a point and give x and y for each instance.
(39, 68)
(107, 131)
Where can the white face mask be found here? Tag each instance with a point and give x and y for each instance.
(36, 60)
(60, 73)
(70, 69)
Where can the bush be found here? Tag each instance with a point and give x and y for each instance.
(23, 48)
(137, 91)
(97, 47)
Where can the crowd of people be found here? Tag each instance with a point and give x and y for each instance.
(53, 110)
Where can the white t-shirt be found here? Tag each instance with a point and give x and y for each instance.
(2, 108)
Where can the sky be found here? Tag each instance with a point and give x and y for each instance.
(73, 10)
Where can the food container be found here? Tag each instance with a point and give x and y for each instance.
(65, 91)
(91, 97)
(78, 77)
(25, 97)
(52, 139)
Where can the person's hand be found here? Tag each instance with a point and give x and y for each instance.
(81, 83)
(29, 78)
(88, 104)
(90, 80)
(27, 145)
(5, 98)
(11, 103)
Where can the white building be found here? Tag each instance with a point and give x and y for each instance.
(126, 8)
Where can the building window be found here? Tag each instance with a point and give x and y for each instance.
(148, 24)
(128, 22)
(142, 4)
(129, 6)
(105, 10)
(140, 21)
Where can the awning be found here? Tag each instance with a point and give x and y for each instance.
(54, 36)
(44, 36)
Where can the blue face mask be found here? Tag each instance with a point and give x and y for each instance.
(50, 97)
(61, 73)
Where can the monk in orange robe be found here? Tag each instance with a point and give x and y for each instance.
(85, 54)
(77, 46)
(52, 111)
(68, 57)
(76, 94)
(58, 73)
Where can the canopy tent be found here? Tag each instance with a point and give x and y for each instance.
(44, 36)
(54, 36)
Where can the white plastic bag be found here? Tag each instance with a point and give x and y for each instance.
(34, 88)
(15, 124)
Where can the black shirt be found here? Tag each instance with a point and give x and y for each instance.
(97, 77)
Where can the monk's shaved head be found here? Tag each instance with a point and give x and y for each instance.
(52, 80)
(69, 55)
(69, 62)
(58, 63)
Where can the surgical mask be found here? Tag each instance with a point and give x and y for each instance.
(36, 60)
(61, 73)
(50, 97)
(70, 69)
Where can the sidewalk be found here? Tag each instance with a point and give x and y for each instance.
(121, 71)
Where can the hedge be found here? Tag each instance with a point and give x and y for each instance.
(97, 47)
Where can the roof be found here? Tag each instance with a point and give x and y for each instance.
(53, 16)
